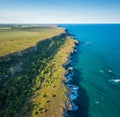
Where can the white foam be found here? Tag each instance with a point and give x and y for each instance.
(70, 86)
(101, 71)
(73, 96)
(73, 91)
(74, 107)
(88, 43)
(115, 80)
(75, 88)
(109, 71)
(69, 77)
(96, 102)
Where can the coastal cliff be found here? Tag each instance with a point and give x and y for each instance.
(32, 80)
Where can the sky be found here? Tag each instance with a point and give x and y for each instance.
(59, 11)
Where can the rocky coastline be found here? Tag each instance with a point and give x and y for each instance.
(72, 89)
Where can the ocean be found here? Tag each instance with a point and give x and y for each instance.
(96, 70)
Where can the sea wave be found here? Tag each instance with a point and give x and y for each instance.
(115, 80)
(73, 94)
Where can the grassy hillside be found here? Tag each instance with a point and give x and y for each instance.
(15, 39)
(31, 82)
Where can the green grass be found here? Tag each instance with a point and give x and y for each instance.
(17, 39)
(31, 84)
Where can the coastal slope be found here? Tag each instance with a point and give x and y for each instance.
(31, 79)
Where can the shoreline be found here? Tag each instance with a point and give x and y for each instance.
(53, 53)
(72, 89)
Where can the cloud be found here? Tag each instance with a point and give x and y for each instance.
(17, 19)
(7, 19)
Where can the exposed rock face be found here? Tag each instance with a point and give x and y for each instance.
(70, 68)
(76, 42)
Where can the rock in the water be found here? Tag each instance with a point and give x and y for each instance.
(70, 68)
(76, 42)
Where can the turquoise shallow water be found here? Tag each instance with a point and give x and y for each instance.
(96, 70)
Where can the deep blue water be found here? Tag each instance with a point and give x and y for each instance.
(96, 70)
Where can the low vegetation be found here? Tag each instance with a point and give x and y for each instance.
(15, 39)
(31, 81)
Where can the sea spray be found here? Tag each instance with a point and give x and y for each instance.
(115, 80)
(73, 89)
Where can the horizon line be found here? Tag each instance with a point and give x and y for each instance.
(67, 23)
